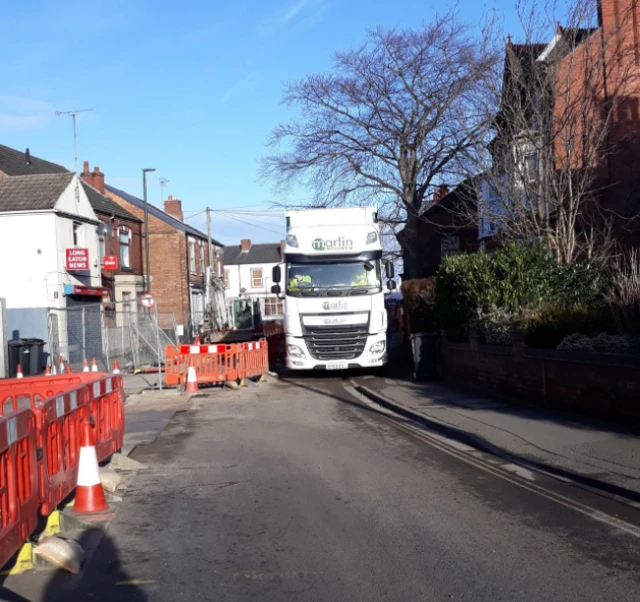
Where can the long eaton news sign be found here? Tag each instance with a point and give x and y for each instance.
(77, 259)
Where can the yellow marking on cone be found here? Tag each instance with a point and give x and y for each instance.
(24, 561)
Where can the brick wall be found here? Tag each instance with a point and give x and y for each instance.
(601, 385)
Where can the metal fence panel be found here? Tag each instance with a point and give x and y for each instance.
(135, 339)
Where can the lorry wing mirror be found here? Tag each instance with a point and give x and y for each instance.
(391, 285)
(276, 273)
(390, 270)
(275, 289)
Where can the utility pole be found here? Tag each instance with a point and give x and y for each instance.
(75, 143)
(209, 239)
(145, 171)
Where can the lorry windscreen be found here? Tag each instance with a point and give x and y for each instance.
(321, 277)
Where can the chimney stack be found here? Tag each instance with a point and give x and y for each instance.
(245, 245)
(174, 208)
(94, 178)
(440, 193)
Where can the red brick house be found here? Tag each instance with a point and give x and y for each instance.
(121, 237)
(568, 130)
(178, 260)
(448, 226)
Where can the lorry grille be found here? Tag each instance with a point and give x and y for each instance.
(336, 342)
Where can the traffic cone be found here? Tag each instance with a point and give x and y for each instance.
(197, 341)
(47, 371)
(116, 367)
(69, 370)
(61, 365)
(94, 365)
(19, 372)
(89, 493)
(85, 368)
(192, 378)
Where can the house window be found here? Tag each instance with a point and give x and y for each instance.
(192, 256)
(256, 278)
(202, 270)
(273, 307)
(226, 278)
(126, 302)
(449, 245)
(77, 234)
(531, 166)
(124, 239)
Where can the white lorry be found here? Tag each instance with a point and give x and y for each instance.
(335, 317)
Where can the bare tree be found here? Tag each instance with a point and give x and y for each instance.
(392, 119)
(568, 105)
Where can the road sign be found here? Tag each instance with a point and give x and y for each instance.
(77, 259)
(147, 301)
(110, 262)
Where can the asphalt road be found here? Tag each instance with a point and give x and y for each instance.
(300, 491)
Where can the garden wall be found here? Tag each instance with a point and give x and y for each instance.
(598, 384)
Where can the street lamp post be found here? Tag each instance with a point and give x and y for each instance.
(147, 285)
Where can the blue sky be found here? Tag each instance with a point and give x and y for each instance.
(191, 88)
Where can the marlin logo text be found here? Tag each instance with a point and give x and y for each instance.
(337, 244)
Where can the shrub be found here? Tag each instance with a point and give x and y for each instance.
(576, 342)
(604, 343)
(548, 324)
(623, 292)
(509, 279)
(418, 298)
(495, 326)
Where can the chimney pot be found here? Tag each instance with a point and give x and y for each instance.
(86, 167)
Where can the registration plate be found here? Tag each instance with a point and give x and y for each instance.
(337, 366)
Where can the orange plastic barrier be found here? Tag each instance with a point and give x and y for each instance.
(18, 481)
(216, 363)
(255, 358)
(61, 404)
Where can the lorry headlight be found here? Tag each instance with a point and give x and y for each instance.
(292, 240)
(372, 237)
(377, 347)
(295, 351)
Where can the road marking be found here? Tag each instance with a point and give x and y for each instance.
(136, 582)
(499, 471)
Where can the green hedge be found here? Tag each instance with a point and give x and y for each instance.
(514, 277)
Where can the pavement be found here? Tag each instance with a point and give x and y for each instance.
(599, 454)
(301, 488)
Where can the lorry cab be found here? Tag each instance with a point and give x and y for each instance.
(332, 283)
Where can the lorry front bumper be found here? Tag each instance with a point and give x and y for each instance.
(366, 360)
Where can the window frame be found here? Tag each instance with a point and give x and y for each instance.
(192, 256)
(253, 278)
(124, 233)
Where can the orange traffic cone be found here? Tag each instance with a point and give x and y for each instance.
(19, 372)
(85, 368)
(116, 367)
(69, 370)
(197, 341)
(94, 365)
(192, 378)
(89, 493)
(47, 371)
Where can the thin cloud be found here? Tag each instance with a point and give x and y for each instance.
(249, 82)
(305, 11)
(18, 114)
